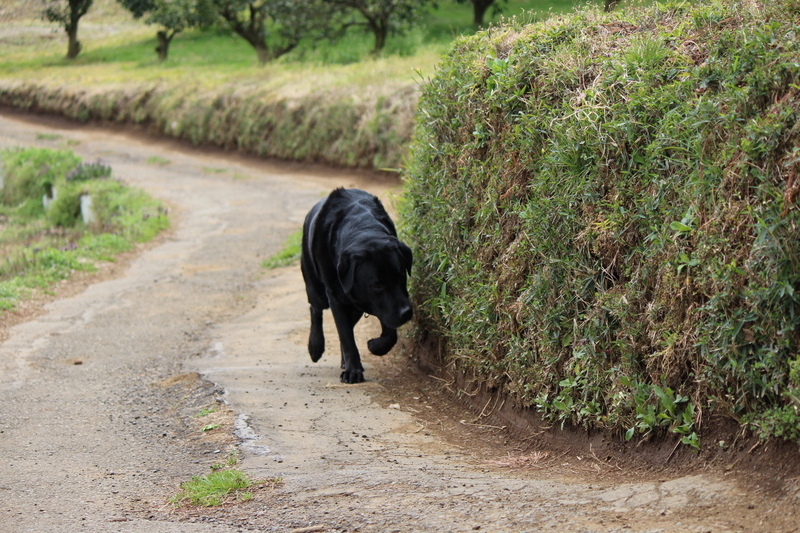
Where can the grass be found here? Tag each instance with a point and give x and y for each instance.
(288, 255)
(215, 488)
(44, 246)
(158, 161)
(206, 411)
(224, 484)
(124, 54)
(603, 211)
(335, 104)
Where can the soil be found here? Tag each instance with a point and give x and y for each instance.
(104, 385)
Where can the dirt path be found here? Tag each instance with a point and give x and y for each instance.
(99, 394)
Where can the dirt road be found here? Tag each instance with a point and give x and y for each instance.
(100, 394)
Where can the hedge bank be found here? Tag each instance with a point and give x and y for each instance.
(369, 129)
(603, 210)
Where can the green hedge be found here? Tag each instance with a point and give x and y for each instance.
(604, 214)
(336, 128)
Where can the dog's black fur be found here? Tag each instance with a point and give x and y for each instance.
(353, 262)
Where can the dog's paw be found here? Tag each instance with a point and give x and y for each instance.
(315, 353)
(316, 347)
(352, 376)
(381, 345)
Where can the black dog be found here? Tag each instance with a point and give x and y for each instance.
(353, 263)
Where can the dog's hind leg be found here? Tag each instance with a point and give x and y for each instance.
(316, 337)
(346, 317)
(381, 345)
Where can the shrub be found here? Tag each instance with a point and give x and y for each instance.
(89, 171)
(604, 212)
(30, 173)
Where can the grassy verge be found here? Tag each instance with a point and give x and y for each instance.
(288, 254)
(44, 245)
(604, 211)
(334, 104)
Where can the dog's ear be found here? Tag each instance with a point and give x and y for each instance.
(405, 252)
(346, 269)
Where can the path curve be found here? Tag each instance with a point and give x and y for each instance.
(101, 445)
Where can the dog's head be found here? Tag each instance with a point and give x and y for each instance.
(374, 278)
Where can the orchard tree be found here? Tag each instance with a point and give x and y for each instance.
(381, 17)
(275, 27)
(174, 16)
(479, 8)
(67, 13)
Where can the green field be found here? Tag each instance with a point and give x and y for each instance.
(332, 103)
(118, 50)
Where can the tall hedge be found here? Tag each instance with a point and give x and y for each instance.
(604, 213)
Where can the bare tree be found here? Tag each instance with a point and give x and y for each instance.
(68, 13)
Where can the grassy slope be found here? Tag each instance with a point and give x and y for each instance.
(604, 212)
(333, 104)
(42, 246)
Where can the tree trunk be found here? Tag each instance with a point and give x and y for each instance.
(164, 38)
(74, 47)
(263, 52)
(479, 8)
(381, 31)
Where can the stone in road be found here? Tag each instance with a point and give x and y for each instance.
(101, 445)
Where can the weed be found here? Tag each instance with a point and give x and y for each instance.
(215, 488)
(233, 457)
(89, 171)
(288, 254)
(214, 170)
(157, 160)
(782, 422)
(206, 411)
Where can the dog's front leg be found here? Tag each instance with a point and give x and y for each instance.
(346, 317)
(381, 345)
